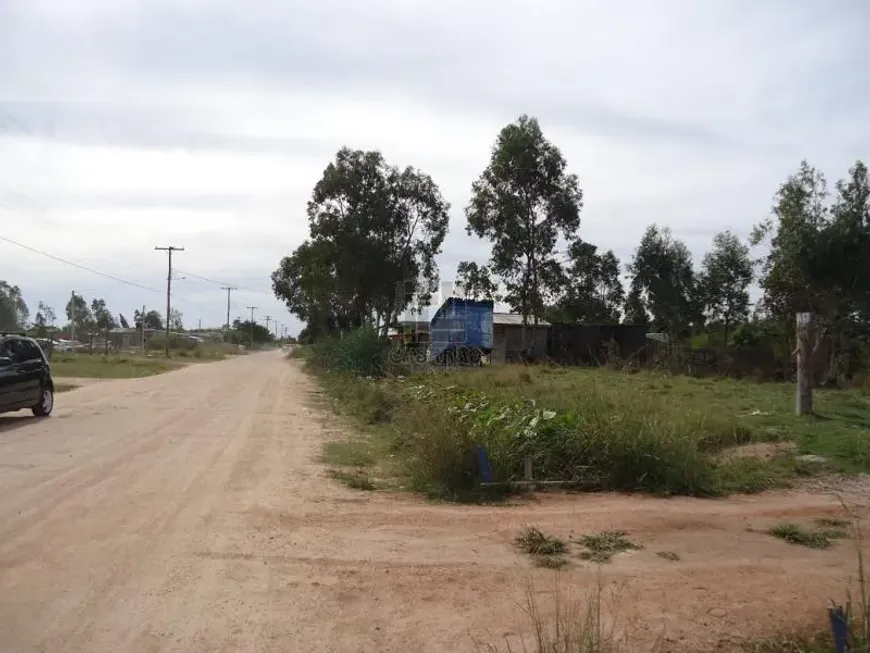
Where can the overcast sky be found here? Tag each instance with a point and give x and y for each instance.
(126, 124)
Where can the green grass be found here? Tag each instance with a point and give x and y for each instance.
(357, 480)
(839, 430)
(97, 366)
(597, 428)
(813, 539)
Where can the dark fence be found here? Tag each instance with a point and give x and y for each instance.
(580, 344)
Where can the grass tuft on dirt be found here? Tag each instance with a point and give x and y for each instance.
(535, 542)
(563, 620)
(601, 547)
(814, 539)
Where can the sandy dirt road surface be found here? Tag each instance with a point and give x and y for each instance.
(188, 512)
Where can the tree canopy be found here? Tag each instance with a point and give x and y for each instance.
(663, 282)
(14, 312)
(374, 233)
(522, 203)
(593, 290)
(726, 273)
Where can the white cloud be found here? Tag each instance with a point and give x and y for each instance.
(205, 124)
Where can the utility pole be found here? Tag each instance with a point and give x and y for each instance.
(251, 308)
(142, 321)
(72, 318)
(168, 250)
(268, 319)
(229, 289)
(804, 352)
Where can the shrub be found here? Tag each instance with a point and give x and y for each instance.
(177, 342)
(596, 445)
(360, 353)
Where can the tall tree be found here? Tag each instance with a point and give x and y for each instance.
(152, 319)
(841, 258)
(523, 202)
(635, 307)
(726, 273)
(14, 313)
(800, 216)
(594, 292)
(79, 313)
(242, 333)
(664, 280)
(43, 319)
(476, 281)
(375, 232)
(176, 320)
(306, 281)
(103, 318)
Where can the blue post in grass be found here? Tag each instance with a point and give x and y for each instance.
(839, 629)
(483, 461)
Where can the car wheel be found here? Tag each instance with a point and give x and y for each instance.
(45, 405)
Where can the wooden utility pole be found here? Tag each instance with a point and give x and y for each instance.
(251, 308)
(229, 289)
(804, 351)
(168, 250)
(72, 319)
(142, 321)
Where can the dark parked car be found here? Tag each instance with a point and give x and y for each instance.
(25, 376)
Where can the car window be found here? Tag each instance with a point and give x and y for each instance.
(30, 351)
(11, 349)
(5, 352)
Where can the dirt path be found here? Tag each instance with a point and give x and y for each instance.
(187, 512)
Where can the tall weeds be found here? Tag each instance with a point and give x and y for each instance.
(569, 623)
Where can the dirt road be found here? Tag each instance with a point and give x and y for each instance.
(188, 512)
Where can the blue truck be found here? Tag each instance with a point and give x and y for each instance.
(460, 332)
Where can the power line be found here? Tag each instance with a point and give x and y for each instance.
(96, 272)
(78, 265)
(220, 283)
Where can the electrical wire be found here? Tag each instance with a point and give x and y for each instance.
(78, 265)
(98, 273)
(221, 283)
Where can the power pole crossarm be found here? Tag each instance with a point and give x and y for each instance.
(168, 250)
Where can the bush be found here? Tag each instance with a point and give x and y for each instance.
(598, 446)
(176, 342)
(359, 353)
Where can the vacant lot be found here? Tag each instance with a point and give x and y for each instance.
(190, 512)
(605, 430)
